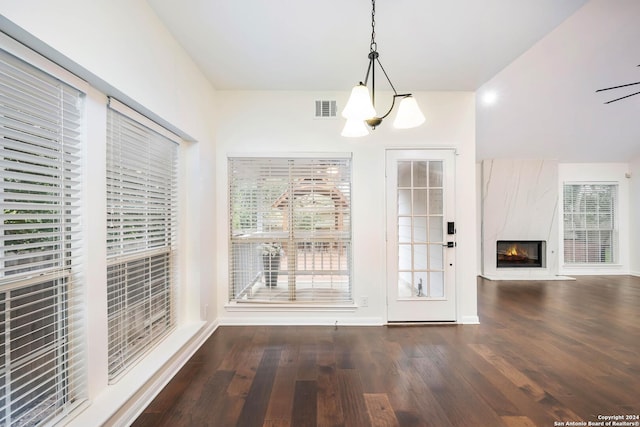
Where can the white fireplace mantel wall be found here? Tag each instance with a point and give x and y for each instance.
(519, 202)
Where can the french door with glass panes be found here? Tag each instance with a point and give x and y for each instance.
(420, 236)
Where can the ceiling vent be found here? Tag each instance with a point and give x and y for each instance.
(326, 109)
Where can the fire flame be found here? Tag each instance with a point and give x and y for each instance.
(515, 251)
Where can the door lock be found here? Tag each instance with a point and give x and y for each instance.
(451, 228)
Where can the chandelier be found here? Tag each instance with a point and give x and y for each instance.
(360, 108)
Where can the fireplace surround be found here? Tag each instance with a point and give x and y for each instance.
(520, 253)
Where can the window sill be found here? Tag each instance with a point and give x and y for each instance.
(586, 266)
(136, 387)
(293, 307)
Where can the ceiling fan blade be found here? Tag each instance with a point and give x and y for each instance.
(617, 87)
(623, 97)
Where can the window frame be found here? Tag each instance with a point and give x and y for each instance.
(303, 233)
(142, 235)
(578, 215)
(41, 299)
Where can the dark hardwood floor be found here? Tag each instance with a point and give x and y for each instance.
(545, 353)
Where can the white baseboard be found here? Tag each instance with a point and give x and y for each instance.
(300, 321)
(525, 277)
(470, 320)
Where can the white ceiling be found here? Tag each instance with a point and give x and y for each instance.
(544, 58)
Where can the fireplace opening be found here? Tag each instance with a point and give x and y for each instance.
(520, 253)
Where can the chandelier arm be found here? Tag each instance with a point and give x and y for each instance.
(387, 76)
(393, 102)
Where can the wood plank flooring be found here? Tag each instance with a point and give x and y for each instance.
(545, 353)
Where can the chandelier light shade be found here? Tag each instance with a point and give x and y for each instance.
(355, 128)
(409, 114)
(360, 107)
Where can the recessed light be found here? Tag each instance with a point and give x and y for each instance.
(489, 97)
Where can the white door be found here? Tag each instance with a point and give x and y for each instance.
(420, 236)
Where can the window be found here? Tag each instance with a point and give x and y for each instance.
(42, 372)
(290, 230)
(141, 237)
(590, 235)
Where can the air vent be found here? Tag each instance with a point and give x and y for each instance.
(326, 109)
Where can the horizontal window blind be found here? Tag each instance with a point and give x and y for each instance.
(590, 235)
(42, 350)
(141, 238)
(290, 230)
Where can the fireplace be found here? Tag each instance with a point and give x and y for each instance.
(520, 253)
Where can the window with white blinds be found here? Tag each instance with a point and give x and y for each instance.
(590, 234)
(42, 350)
(141, 238)
(290, 230)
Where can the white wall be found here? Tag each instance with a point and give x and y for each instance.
(282, 122)
(612, 173)
(634, 216)
(547, 105)
(122, 49)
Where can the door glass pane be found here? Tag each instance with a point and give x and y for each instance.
(404, 202)
(420, 257)
(404, 229)
(420, 202)
(404, 285)
(435, 202)
(420, 229)
(419, 174)
(435, 257)
(404, 257)
(435, 173)
(404, 174)
(436, 284)
(435, 229)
